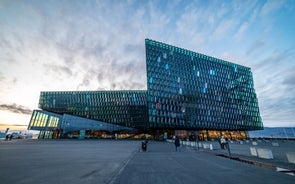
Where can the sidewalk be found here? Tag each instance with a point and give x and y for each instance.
(121, 162)
(242, 151)
(161, 164)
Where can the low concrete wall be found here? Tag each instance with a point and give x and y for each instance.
(291, 157)
(264, 153)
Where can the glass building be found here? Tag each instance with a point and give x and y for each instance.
(185, 91)
(68, 112)
(126, 108)
(188, 90)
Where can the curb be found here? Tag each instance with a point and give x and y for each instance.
(260, 164)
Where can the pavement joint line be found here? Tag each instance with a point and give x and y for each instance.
(125, 163)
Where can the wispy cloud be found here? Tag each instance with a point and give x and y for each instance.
(8, 125)
(270, 7)
(290, 77)
(255, 46)
(16, 108)
(59, 70)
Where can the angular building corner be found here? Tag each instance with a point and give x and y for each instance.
(188, 90)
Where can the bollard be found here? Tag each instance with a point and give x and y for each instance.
(275, 144)
(213, 147)
(253, 151)
(200, 145)
(206, 146)
(228, 148)
(254, 143)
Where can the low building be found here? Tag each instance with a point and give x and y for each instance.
(274, 133)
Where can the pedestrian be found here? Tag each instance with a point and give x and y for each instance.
(177, 143)
(144, 145)
(223, 142)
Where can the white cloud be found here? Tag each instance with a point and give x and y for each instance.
(224, 28)
(255, 47)
(241, 31)
(270, 7)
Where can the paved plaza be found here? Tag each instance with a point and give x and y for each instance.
(122, 161)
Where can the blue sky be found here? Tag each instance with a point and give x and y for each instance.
(99, 45)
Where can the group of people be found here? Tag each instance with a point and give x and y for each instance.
(8, 137)
(222, 141)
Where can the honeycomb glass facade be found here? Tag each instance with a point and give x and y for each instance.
(185, 91)
(126, 108)
(188, 90)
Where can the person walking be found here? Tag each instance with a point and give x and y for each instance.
(177, 143)
(223, 142)
(144, 145)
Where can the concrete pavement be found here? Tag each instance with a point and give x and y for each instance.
(109, 161)
(63, 161)
(162, 164)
